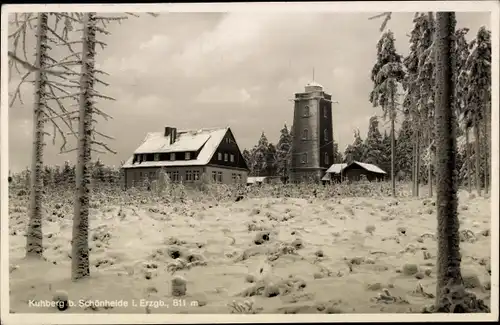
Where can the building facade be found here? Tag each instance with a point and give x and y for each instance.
(190, 157)
(312, 143)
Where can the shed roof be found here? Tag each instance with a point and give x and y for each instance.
(370, 167)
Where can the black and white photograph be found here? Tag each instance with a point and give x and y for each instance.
(249, 162)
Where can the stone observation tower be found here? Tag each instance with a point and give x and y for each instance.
(312, 144)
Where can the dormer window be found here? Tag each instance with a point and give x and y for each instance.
(219, 156)
(138, 158)
(172, 156)
(306, 111)
(157, 157)
(231, 157)
(144, 158)
(225, 157)
(187, 155)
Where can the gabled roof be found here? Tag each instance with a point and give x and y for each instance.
(369, 167)
(205, 140)
(336, 168)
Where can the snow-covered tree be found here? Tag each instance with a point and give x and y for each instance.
(46, 95)
(478, 72)
(387, 74)
(404, 147)
(354, 151)
(373, 149)
(283, 152)
(451, 296)
(260, 154)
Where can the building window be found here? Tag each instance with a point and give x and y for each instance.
(325, 112)
(151, 175)
(144, 158)
(326, 158)
(157, 156)
(219, 177)
(225, 157)
(140, 174)
(214, 176)
(304, 158)
(305, 134)
(187, 155)
(196, 175)
(325, 134)
(175, 177)
(189, 175)
(234, 177)
(172, 156)
(138, 158)
(219, 156)
(231, 157)
(306, 111)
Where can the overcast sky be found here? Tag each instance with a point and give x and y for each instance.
(196, 70)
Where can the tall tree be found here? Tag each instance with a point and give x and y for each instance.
(412, 90)
(337, 155)
(354, 151)
(404, 147)
(478, 66)
(462, 53)
(387, 74)
(450, 293)
(260, 155)
(283, 152)
(426, 81)
(43, 112)
(373, 149)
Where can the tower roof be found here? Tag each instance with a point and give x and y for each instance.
(313, 86)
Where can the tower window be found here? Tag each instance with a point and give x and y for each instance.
(306, 111)
(304, 157)
(305, 134)
(326, 158)
(325, 112)
(325, 134)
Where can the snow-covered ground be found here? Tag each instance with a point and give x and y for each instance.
(265, 254)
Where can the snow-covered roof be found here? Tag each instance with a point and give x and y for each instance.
(327, 177)
(369, 167)
(255, 179)
(336, 168)
(187, 140)
(313, 86)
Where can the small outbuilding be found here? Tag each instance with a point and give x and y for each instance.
(353, 172)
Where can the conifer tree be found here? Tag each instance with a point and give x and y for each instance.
(478, 67)
(451, 296)
(354, 151)
(260, 155)
(283, 152)
(387, 74)
(373, 148)
(404, 147)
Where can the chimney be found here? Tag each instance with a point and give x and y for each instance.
(167, 131)
(173, 135)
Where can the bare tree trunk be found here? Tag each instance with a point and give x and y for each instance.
(431, 163)
(80, 248)
(486, 135)
(393, 154)
(34, 236)
(467, 157)
(417, 163)
(413, 165)
(477, 148)
(448, 261)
